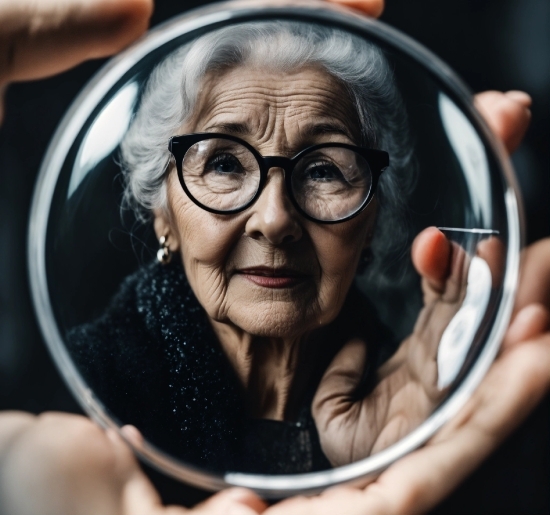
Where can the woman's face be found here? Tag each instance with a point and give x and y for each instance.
(268, 271)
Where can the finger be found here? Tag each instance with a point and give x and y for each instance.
(507, 114)
(133, 436)
(234, 501)
(534, 284)
(442, 264)
(431, 253)
(139, 497)
(531, 321)
(337, 410)
(339, 500)
(336, 389)
(493, 252)
(41, 38)
(372, 8)
(137, 493)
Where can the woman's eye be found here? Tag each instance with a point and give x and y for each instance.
(224, 164)
(323, 172)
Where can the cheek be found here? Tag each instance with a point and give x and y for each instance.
(338, 249)
(202, 236)
(206, 242)
(203, 239)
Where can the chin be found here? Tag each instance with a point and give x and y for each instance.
(274, 320)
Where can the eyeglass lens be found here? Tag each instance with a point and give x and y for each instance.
(328, 184)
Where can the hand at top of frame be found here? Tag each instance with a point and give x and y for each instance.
(372, 8)
(45, 37)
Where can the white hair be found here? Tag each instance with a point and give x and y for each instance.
(172, 90)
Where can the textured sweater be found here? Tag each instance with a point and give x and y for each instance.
(153, 361)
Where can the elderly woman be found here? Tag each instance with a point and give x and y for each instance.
(258, 149)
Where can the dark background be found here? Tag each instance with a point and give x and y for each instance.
(492, 44)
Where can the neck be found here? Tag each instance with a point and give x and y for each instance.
(267, 370)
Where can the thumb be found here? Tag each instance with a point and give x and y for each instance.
(44, 37)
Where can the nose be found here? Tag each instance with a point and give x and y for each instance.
(273, 216)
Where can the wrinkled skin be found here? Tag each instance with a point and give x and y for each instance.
(278, 114)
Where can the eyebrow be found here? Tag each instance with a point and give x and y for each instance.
(233, 128)
(318, 129)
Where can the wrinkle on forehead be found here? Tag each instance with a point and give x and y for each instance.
(283, 111)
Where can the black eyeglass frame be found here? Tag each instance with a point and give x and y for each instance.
(378, 161)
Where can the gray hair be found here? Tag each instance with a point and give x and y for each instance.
(172, 90)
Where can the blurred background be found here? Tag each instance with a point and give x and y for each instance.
(492, 44)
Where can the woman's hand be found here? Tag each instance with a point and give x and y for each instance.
(64, 464)
(413, 381)
(407, 387)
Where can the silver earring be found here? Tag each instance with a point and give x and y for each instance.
(164, 254)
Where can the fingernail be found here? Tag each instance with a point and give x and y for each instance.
(520, 97)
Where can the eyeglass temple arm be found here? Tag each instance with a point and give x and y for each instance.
(379, 160)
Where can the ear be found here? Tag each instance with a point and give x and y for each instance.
(164, 227)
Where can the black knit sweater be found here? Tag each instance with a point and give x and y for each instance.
(153, 360)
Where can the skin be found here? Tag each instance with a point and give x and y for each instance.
(264, 329)
(517, 381)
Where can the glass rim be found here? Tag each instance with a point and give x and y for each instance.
(51, 170)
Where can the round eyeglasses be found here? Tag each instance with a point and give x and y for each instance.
(327, 183)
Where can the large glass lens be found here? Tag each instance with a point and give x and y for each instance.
(221, 174)
(331, 183)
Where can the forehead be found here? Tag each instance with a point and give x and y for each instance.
(259, 96)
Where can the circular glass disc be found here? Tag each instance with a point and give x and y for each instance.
(279, 242)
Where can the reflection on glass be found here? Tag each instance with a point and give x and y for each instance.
(105, 134)
(471, 154)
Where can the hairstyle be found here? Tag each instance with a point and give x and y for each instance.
(172, 90)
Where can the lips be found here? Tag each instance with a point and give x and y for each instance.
(273, 277)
